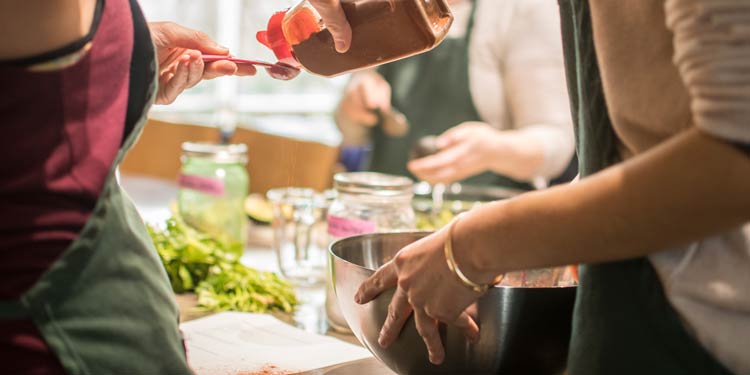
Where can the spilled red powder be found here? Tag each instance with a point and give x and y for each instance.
(266, 370)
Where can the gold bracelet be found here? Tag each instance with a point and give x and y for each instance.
(448, 247)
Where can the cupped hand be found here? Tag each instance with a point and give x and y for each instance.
(465, 150)
(426, 287)
(180, 66)
(335, 21)
(366, 92)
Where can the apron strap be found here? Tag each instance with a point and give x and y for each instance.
(13, 310)
(470, 25)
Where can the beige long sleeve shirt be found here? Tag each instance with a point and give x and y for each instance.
(668, 66)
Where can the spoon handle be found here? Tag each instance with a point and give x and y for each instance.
(212, 58)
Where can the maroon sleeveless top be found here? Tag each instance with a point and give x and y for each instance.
(61, 130)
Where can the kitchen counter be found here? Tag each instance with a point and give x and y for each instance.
(152, 197)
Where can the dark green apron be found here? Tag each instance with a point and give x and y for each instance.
(432, 90)
(623, 323)
(106, 306)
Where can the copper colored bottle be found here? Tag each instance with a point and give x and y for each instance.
(382, 31)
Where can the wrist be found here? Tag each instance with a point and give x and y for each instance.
(500, 152)
(516, 155)
(469, 253)
(352, 132)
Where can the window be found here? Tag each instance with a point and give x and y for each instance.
(287, 108)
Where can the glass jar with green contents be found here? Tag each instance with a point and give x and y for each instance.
(213, 185)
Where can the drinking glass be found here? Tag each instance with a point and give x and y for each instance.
(300, 233)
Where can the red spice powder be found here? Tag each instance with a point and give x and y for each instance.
(267, 370)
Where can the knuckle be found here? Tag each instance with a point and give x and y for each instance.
(443, 317)
(393, 315)
(404, 283)
(169, 28)
(200, 35)
(428, 311)
(416, 302)
(400, 259)
(436, 313)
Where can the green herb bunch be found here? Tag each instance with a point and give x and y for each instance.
(198, 262)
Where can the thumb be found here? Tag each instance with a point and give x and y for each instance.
(453, 136)
(335, 20)
(172, 35)
(384, 278)
(447, 139)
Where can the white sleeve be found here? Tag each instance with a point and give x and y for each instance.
(534, 75)
(712, 53)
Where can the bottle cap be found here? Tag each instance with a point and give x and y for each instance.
(274, 39)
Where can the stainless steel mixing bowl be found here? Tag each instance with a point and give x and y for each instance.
(522, 330)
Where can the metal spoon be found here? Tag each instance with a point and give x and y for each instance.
(278, 70)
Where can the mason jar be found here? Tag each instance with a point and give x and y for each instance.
(366, 202)
(213, 184)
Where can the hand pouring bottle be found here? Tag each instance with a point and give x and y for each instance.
(382, 31)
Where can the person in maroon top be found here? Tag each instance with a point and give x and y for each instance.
(75, 87)
(81, 287)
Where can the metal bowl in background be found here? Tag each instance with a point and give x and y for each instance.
(468, 195)
(522, 330)
(466, 192)
(433, 212)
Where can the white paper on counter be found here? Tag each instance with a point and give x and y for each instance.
(232, 343)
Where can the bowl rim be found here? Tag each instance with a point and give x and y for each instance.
(417, 232)
(374, 234)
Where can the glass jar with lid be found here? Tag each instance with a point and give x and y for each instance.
(213, 185)
(366, 202)
(370, 202)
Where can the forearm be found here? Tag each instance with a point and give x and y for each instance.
(355, 113)
(689, 187)
(542, 150)
(352, 133)
(516, 154)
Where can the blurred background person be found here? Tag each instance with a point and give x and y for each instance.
(493, 91)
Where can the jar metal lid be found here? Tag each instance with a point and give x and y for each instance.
(372, 183)
(233, 153)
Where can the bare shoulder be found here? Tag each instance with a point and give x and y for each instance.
(32, 27)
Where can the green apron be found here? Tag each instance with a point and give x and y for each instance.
(432, 90)
(623, 323)
(106, 306)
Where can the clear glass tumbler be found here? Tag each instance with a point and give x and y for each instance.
(300, 233)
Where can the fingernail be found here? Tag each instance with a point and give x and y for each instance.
(358, 298)
(381, 340)
(340, 46)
